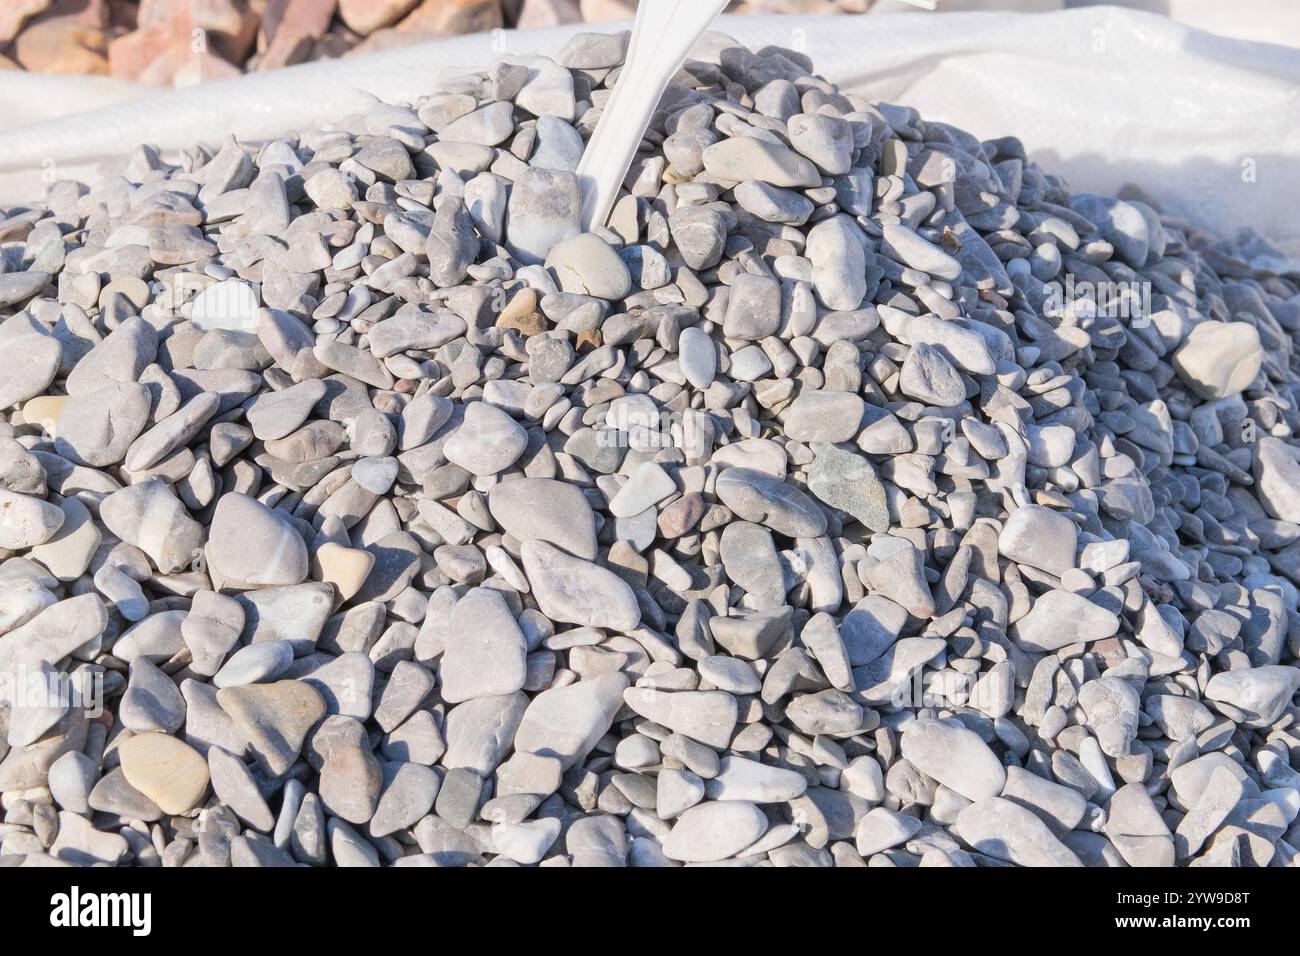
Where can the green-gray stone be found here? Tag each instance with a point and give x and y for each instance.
(847, 481)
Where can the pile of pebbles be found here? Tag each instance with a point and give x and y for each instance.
(380, 515)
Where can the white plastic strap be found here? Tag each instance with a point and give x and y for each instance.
(662, 36)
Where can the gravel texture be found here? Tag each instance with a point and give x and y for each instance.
(795, 518)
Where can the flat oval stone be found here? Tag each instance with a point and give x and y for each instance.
(907, 247)
(824, 416)
(586, 264)
(707, 716)
(485, 652)
(954, 756)
(487, 126)
(173, 432)
(17, 287)
(487, 441)
(697, 356)
(747, 157)
(32, 362)
(750, 561)
(414, 331)
(255, 664)
(155, 638)
(767, 500)
(1061, 618)
(578, 592)
(714, 831)
(838, 255)
(167, 771)
(26, 521)
(559, 145)
(731, 674)
(740, 778)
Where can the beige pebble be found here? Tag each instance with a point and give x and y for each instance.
(345, 568)
(168, 771)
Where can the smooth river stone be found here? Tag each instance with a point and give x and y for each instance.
(251, 545)
(150, 517)
(578, 592)
(169, 772)
(31, 362)
(697, 356)
(1277, 477)
(769, 501)
(173, 432)
(708, 716)
(1040, 538)
(1219, 359)
(740, 778)
(1060, 618)
(824, 416)
(255, 664)
(55, 632)
(746, 157)
(714, 831)
(839, 261)
(1007, 831)
(907, 247)
(543, 509)
(488, 440)
(277, 414)
(98, 427)
(567, 722)
(26, 521)
(588, 265)
(68, 552)
(645, 488)
(485, 652)
(1260, 693)
(954, 756)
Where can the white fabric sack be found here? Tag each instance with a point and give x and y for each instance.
(1208, 126)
